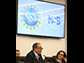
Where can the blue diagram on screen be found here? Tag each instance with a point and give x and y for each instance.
(51, 20)
(40, 18)
(29, 18)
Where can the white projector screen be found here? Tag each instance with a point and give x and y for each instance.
(40, 18)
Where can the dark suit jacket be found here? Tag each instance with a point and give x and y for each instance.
(31, 58)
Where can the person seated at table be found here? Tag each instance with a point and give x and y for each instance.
(35, 56)
(61, 57)
(18, 56)
(17, 52)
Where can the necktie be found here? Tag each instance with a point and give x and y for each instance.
(39, 60)
(37, 57)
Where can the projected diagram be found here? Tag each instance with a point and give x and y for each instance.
(41, 18)
(30, 17)
(54, 22)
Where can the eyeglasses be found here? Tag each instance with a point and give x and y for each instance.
(61, 54)
(18, 53)
(40, 48)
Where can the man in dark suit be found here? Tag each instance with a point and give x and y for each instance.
(34, 56)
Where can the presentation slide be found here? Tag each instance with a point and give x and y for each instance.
(40, 18)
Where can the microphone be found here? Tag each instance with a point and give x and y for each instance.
(45, 59)
(44, 55)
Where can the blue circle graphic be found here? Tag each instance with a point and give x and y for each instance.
(30, 17)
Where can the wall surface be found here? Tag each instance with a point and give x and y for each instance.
(50, 46)
(57, 1)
